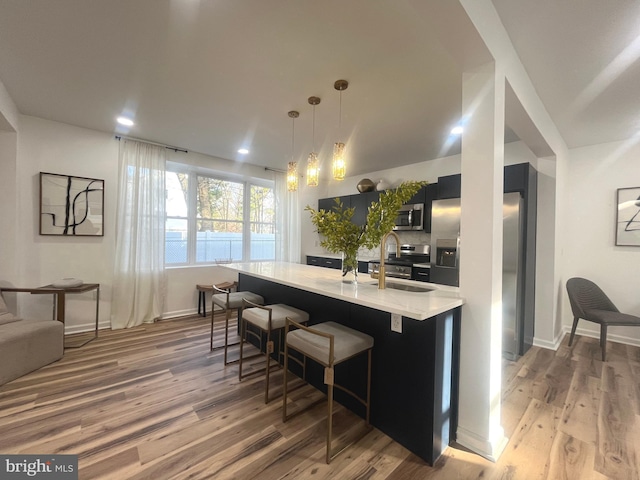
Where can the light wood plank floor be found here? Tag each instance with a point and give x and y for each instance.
(154, 403)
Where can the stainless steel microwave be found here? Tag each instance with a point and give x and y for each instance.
(410, 217)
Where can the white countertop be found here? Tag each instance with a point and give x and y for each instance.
(328, 282)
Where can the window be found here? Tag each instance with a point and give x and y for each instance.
(263, 223)
(175, 226)
(212, 220)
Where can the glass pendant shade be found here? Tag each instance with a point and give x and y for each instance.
(338, 166)
(292, 177)
(312, 170)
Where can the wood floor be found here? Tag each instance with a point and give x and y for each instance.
(154, 403)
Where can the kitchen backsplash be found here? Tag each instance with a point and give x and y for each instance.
(420, 238)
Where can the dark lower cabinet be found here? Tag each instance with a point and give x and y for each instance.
(421, 274)
(363, 267)
(324, 262)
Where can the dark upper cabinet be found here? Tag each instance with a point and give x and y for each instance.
(418, 197)
(449, 186)
(516, 178)
(361, 203)
(328, 203)
(430, 194)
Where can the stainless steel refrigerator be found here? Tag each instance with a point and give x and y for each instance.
(446, 259)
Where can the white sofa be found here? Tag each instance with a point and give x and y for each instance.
(27, 344)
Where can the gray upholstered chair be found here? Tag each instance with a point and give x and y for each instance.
(590, 303)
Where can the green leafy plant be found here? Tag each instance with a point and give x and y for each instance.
(341, 235)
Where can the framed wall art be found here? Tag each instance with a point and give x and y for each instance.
(71, 206)
(628, 217)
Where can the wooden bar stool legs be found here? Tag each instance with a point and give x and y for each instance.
(228, 300)
(266, 320)
(329, 344)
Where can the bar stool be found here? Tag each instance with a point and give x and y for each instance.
(266, 319)
(202, 300)
(329, 344)
(228, 300)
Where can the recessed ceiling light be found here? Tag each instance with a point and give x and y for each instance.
(243, 151)
(457, 130)
(125, 121)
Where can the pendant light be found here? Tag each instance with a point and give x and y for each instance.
(339, 164)
(292, 170)
(313, 170)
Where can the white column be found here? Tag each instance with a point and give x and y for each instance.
(483, 103)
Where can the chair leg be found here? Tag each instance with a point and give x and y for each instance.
(603, 340)
(269, 350)
(329, 420)
(573, 330)
(368, 385)
(204, 304)
(284, 383)
(242, 334)
(212, 315)
(226, 334)
(200, 303)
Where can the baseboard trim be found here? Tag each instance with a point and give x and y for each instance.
(181, 313)
(554, 345)
(86, 327)
(491, 450)
(611, 337)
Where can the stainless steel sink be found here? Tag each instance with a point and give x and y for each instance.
(405, 287)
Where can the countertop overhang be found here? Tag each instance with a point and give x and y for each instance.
(328, 282)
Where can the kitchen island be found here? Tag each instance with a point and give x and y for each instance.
(414, 387)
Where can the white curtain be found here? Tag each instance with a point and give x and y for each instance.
(139, 279)
(287, 222)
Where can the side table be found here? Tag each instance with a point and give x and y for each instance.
(59, 302)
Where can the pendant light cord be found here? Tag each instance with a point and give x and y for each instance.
(313, 131)
(340, 115)
(293, 134)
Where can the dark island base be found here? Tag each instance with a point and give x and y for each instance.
(414, 387)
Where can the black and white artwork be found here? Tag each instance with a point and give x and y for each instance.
(71, 206)
(628, 217)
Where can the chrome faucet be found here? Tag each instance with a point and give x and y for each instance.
(383, 250)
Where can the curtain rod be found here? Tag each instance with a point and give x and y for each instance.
(175, 149)
(269, 169)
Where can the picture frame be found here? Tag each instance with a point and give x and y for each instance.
(71, 206)
(628, 217)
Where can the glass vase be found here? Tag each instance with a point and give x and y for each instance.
(350, 267)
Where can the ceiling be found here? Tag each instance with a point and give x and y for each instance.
(213, 76)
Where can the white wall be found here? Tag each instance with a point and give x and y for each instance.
(9, 210)
(45, 146)
(594, 174)
(547, 333)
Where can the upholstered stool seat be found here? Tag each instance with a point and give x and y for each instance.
(228, 301)
(329, 344)
(278, 313)
(347, 342)
(266, 319)
(234, 300)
